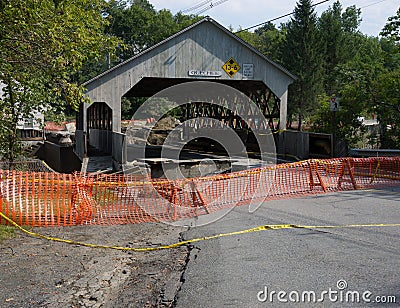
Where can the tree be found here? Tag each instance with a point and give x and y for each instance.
(387, 106)
(270, 40)
(42, 44)
(249, 37)
(352, 37)
(351, 19)
(387, 85)
(131, 23)
(302, 54)
(391, 30)
(337, 32)
(140, 26)
(266, 39)
(355, 85)
(330, 27)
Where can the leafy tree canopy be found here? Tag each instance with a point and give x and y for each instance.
(42, 44)
(391, 30)
(331, 56)
(140, 26)
(302, 53)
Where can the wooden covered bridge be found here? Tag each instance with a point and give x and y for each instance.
(203, 51)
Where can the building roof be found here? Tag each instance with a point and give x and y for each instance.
(204, 20)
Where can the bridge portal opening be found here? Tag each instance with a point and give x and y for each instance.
(256, 90)
(199, 111)
(194, 121)
(99, 127)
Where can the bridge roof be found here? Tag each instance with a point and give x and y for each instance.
(189, 28)
(203, 47)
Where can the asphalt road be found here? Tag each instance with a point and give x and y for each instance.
(244, 270)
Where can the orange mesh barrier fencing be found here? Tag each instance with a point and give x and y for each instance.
(53, 199)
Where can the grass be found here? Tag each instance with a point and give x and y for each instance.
(6, 232)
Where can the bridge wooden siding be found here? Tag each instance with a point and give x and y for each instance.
(205, 46)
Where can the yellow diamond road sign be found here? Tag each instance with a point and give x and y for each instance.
(231, 67)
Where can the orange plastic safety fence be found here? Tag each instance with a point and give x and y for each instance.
(53, 199)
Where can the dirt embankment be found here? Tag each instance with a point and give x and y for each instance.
(39, 273)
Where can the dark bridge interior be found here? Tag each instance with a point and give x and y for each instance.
(256, 90)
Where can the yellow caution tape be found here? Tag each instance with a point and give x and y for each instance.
(200, 239)
(376, 172)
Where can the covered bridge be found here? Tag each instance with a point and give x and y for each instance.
(203, 51)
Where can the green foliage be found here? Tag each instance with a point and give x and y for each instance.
(42, 44)
(387, 106)
(267, 39)
(270, 40)
(351, 18)
(391, 56)
(363, 71)
(386, 86)
(156, 106)
(6, 232)
(302, 54)
(338, 32)
(126, 109)
(249, 37)
(354, 82)
(140, 26)
(391, 30)
(129, 105)
(331, 56)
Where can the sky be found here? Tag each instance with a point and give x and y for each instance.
(246, 13)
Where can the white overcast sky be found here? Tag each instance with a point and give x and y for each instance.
(246, 13)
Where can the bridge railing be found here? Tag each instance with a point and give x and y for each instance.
(374, 153)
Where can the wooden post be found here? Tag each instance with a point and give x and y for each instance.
(312, 183)
(351, 173)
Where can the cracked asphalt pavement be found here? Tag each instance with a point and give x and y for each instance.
(39, 273)
(249, 270)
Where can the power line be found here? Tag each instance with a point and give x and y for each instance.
(368, 5)
(196, 6)
(210, 6)
(363, 7)
(203, 6)
(288, 14)
(276, 18)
